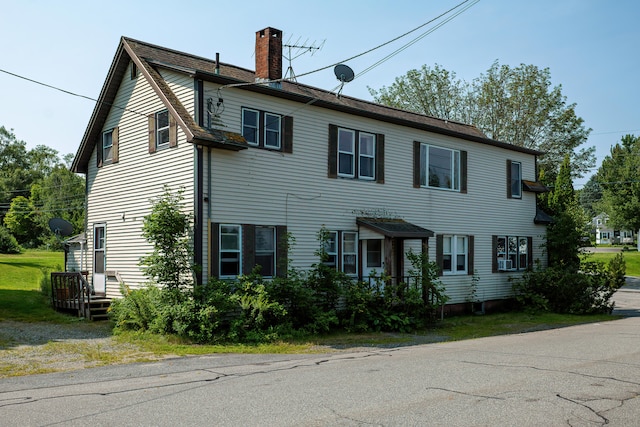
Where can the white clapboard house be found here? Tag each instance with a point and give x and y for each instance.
(258, 157)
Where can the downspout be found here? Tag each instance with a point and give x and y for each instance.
(198, 178)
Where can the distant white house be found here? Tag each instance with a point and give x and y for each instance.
(381, 180)
(607, 235)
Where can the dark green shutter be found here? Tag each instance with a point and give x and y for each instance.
(470, 255)
(494, 254)
(380, 158)
(508, 179)
(214, 238)
(248, 246)
(281, 251)
(333, 152)
(439, 252)
(463, 171)
(416, 164)
(287, 144)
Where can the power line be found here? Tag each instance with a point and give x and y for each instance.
(367, 51)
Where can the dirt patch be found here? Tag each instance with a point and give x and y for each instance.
(32, 348)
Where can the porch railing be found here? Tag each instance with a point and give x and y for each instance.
(71, 292)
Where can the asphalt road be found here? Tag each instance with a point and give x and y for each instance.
(587, 375)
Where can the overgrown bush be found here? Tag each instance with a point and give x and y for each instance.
(254, 309)
(561, 289)
(138, 309)
(8, 243)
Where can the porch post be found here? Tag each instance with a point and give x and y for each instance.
(388, 250)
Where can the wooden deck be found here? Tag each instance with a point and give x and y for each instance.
(70, 292)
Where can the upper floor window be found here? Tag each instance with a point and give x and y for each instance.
(512, 253)
(514, 180)
(356, 154)
(107, 146)
(107, 149)
(162, 128)
(267, 130)
(439, 167)
(162, 131)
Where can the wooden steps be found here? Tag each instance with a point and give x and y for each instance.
(98, 308)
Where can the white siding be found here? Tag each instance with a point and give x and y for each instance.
(120, 194)
(256, 186)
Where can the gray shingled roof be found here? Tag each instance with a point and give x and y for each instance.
(149, 57)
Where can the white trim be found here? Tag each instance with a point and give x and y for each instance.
(351, 153)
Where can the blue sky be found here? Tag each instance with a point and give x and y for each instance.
(590, 47)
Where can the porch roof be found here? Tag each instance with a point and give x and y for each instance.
(395, 227)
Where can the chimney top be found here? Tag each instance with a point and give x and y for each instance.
(268, 54)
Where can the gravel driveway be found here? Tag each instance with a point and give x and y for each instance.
(30, 348)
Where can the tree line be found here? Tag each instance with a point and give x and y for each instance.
(35, 186)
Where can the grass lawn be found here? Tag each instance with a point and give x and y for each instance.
(20, 296)
(631, 258)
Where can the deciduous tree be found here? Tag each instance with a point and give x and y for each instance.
(516, 105)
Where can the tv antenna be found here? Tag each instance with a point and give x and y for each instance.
(60, 227)
(296, 50)
(345, 74)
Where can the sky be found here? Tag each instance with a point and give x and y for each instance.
(591, 48)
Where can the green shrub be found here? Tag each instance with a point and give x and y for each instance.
(8, 243)
(617, 268)
(561, 289)
(138, 309)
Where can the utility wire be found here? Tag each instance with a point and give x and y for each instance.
(71, 93)
(359, 54)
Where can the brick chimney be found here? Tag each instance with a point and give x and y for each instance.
(268, 54)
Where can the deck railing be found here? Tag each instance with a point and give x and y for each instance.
(71, 292)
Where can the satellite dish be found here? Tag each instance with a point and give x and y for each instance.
(60, 227)
(344, 73)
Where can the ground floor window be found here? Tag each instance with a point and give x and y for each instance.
(341, 248)
(454, 253)
(512, 253)
(239, 248)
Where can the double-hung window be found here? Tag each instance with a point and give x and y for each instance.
(350, 253)
(230, 250)
(514, 180)
(455, 254)
(266, 250)
(331, 249)
(355, 154)
(272, 131)
(251, 126)
(341, 249)
(367, 156)
(439, 167)
(107, 146)
(346, 153)
(239, 248)
(512, 253)
(267, 130)
(107, 150)
(162, 129)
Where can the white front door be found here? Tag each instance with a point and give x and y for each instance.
(99, 259)
(373, 257)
